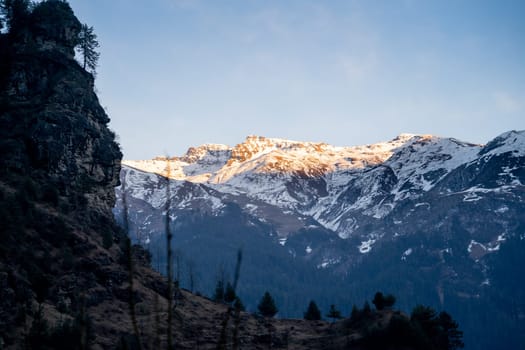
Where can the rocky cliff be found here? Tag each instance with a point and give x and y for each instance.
(55, 129)
(59, 247)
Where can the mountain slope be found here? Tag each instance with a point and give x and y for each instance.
(425, 216)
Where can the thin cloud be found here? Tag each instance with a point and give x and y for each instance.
(507, 103)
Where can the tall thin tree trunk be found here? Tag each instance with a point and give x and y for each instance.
(130, 268)
(169, 255)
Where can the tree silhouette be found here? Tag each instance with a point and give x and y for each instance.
(440, 330)
(218, 296)
(333, 313)
(238, 305)
(87, 47)
(15, 14)
(425, 317)
(451, 336)
(267, 306)
(229, 293)
(355, 314)
(312, 313)
(366, 309)
(389, 301)
(380, 301)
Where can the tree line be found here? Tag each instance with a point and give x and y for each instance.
(424, 328)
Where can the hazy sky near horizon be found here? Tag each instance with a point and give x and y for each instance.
(180, 73)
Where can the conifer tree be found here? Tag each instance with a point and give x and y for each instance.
(333, 313)
(218, 296)
(389, 301)
(381, 301)
(440, 330)
(378, 301)
(87, 47)
(169, 254)
(267, 306)
(355, 314)
(366, 309)
(425, 316)
(14, 13)
(229, 293)
(238, 305)
(312, 313)
(451, 335)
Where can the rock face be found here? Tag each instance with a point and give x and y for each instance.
(56, 131)
(59, 167)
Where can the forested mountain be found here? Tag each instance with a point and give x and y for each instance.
(433, 220)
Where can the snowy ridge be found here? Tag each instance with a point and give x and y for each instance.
(335, 186)
(425, 160)
(512, 142)
(197, 165)
(267, 155)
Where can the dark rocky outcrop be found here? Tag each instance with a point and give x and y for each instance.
(54, 129)
(59, 247)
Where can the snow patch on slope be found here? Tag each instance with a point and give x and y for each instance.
(366, 246)
(425, 160)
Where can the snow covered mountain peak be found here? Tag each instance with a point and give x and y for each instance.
(293, 185)
(217, 163)
(259, 146)
(208, 150)
(261, 155)
(512, 142)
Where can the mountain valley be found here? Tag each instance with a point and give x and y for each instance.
(427, 218)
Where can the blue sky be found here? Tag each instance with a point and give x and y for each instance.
(179, 73)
